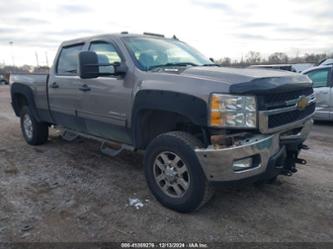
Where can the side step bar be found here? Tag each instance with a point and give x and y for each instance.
(69, 136)
(109, 151)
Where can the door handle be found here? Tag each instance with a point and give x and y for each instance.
(54, 85)
(85, 88)
(323, 92)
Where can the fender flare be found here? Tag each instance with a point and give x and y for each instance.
(189, 106)
(26, 91)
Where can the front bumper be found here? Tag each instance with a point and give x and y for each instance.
(269, 152)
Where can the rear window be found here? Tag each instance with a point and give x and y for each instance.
(68, 60)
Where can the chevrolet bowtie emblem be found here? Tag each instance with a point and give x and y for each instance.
(302, 103)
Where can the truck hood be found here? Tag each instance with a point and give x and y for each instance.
(248, 80)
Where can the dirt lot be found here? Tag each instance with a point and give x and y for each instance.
(65, 191)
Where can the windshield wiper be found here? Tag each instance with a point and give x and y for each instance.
(211, 65)
(179, 64)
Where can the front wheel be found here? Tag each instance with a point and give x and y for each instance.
(174, 174)
(34, 133)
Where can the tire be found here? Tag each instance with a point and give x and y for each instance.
(187, 190)
(34, 133)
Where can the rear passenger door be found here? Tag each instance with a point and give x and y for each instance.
(63, 86)
(105, 106)
(322, 79)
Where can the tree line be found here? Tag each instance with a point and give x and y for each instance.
(255, 58)
(251, 58)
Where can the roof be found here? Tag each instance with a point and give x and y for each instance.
(317, 67)
(110, 36)
(328, 61)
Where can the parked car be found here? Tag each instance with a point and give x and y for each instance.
(287, 67)
(300, 67)
(322, 79)
(3, 80)
(326, 62)
(199, 124)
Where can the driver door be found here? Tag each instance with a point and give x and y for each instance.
(106, 105)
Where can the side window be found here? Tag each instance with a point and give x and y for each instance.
(319, 77)
(68, 60)
(107, 54)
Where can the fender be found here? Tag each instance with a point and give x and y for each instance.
(26, 91)
(191, 107)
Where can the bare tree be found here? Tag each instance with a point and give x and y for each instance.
(226, 61)
(253, 57)
(278, 58)
(314, 58)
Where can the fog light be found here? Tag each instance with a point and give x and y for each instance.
(242, 164)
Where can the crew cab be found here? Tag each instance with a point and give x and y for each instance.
(199, 124)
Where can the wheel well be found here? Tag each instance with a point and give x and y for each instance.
(151, 123)
(19, 100)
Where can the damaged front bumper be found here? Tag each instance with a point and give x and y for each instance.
(265, 155)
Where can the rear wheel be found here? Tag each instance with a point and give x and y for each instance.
(174, 174)
(34, 133)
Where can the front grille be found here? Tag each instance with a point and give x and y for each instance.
(280, 119)
(278, 100)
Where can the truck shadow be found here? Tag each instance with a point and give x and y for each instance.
(242, 202)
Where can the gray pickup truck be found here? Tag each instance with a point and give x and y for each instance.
(199, 124)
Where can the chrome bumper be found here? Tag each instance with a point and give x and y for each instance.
(217, 163)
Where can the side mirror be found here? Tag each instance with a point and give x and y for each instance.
(88, 65)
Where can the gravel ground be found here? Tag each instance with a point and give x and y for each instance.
(65, 191)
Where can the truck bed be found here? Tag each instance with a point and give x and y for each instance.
(28, 78)
(37, 83)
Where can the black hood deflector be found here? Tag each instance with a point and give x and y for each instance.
(251, 81)
(267, 85)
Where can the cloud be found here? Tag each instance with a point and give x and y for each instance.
(213, 5)
(258, 24)
(73, 8)
(27, 20)
(250, 36)
(7, 30)
(217, 28)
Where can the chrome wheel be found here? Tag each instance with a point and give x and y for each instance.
(171, 174)
(27, 126)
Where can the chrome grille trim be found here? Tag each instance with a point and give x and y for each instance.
(263, 116)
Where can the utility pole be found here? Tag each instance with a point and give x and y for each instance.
(37, 62)
(46, 59)
(11, 43)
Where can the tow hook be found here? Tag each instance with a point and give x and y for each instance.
(292, 159)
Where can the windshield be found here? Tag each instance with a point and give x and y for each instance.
(152, 52)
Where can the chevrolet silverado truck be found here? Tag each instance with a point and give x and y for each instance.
(199, 124)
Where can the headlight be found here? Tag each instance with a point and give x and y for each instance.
(233, 111)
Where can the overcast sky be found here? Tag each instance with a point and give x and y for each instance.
(218, 28)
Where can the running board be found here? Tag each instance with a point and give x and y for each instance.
(107, 150)
(69, 136)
